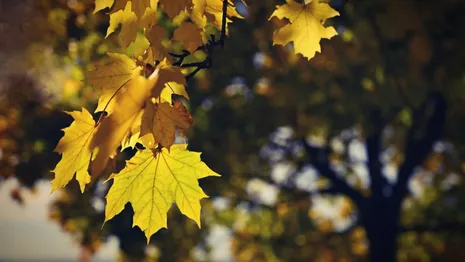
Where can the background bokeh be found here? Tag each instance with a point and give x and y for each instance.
(395, 72)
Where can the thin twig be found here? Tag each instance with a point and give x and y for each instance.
(223, 23)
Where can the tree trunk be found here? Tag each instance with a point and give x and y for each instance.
(381, 226)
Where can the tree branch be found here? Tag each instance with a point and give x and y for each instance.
(374, 147)
(319, 159)
(420, 140)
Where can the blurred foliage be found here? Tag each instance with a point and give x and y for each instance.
(388, 57)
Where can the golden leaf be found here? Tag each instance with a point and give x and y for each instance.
(128, 105)
(305, 28)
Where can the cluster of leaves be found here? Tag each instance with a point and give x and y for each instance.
(140, 103)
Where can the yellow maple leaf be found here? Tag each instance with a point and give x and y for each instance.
(74, 147)
(162, 120)
(152, 181)
(117, 126)
(109, 76)
(306, 26)
(189, 35)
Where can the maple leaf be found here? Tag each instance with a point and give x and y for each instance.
(189, 35)
(128, 106)
(152, 181)
(305, 28)
(109, 76)
(74, 147)
(162, 120)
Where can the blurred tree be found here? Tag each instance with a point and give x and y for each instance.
(357, 155)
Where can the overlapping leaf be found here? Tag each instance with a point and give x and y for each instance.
(117, 126)
(152, 180)
(109, 76)
(306, 26)
(162, 120)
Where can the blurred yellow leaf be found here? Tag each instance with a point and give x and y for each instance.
(110, 76)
